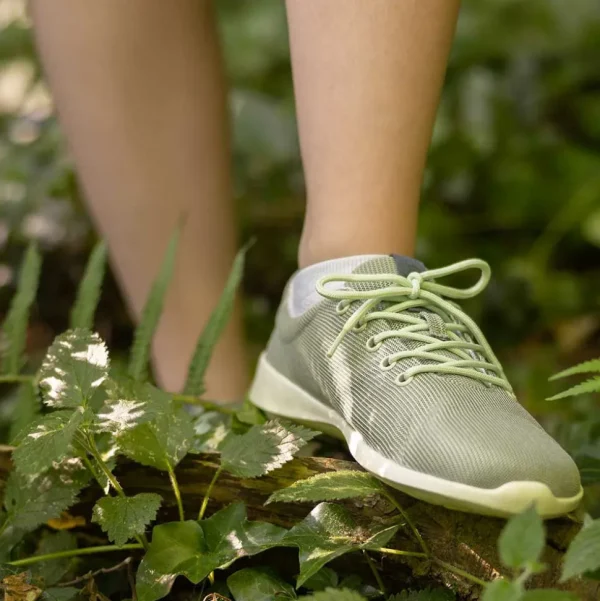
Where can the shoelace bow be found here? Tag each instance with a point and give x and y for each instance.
(471, 354)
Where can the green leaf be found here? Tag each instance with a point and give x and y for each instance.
(194, 384)
(142, 339)
(66, 593)
(583, 554)
(329, 531)
(48, 573)
(195, 549)
(502, 590)
(583, 368)
(334, 594)
(210, 429)
(522, 540)
(161, 443)
(591, 385)
(329, 486)
(88, 293)
(29, 502)
(250, 414)
(75, 366)
(14, 328)
(546, 594)
(324, 578)
(259, 584)
(27, 408)
(436, 594)
(46, 441)
(263, 448)
(123, 518)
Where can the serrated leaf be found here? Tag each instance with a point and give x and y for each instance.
(263, 448)
(583, 368)
(259, 584)
(330, 486)
(334, 594)
(142, 339)
(330, 531)
(583, 554)
(123, 518)
(502, 590)
(88, 292)
(324, 578)
(14, 327)
(27, 408)
(46, 441)
(217, 321)
(75, 366)
(30, 502)
(522, 540)
(436, 594)
(65, 593)
(589, 386)
(161, 443)
(48, 573)
(195, 549)
(546, 594)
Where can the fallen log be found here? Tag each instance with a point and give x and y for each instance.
(462, 540)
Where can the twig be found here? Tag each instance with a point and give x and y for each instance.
(176, 490)
(207, 493)
(376, 573)
(411, 524)
(95, 573)
(460, 572)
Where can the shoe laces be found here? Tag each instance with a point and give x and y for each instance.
(440, 325)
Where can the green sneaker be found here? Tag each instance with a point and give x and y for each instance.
(376, 348)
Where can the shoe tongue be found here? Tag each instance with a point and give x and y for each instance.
(385, 264)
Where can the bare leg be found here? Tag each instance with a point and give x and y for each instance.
(368, 76)
(140, 93)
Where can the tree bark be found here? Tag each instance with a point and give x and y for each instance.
(462, 540)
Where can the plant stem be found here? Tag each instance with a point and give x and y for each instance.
(376, 574)
(410, 523)
(460, 572)
(73, 553)
(176, 491)
(207, 493)
(14, 378)
(208, 405)
(387, 551)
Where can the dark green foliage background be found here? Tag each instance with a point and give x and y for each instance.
(513, 177)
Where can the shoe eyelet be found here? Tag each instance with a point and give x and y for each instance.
(385, 364)
(342, 307)
(373, 346)
(402, 380)
(360, 327)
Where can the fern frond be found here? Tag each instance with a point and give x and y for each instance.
(140, 350)
(15, 325)
(27, 408)
(586, 367)
(591, 385)
(88, 293)
(194, 385)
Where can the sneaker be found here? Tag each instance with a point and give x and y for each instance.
(375, 348)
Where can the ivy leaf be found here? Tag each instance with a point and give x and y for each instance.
(26, 410)
(263, 448)
(47, 440)
(123, 518)
(502, 590)
(436, 594)
(30, 502)
(522, 540)
(543, 594)
(583, 554)
(329, 531)
(161, 443)
(329, 486)
(324, 578)
(75, 366)
(217, 321)
(259, 584)
(88, 292)
(47, 573)
(14, 327)
(334, 594)
(142, 339)
(195, 549)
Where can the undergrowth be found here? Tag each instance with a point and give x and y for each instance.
(76, 417)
